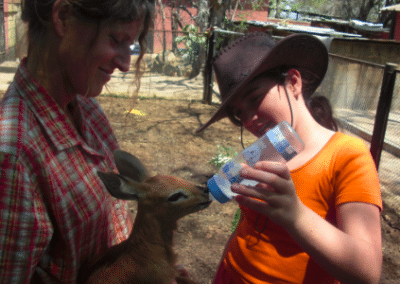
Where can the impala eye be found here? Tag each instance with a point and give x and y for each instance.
(177, 196)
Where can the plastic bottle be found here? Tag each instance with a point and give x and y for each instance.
(279, 144)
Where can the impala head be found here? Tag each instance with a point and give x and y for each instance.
(164, 196)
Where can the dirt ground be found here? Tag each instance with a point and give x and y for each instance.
(164, 140)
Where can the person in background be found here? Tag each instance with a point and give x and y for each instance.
(315, 219)
(55, 211)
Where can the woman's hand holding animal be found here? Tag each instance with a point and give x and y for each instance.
(274, 196)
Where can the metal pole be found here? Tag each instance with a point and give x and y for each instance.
(382, 112)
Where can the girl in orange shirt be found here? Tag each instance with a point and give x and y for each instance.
(315, 219)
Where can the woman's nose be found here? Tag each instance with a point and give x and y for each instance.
(123, 59)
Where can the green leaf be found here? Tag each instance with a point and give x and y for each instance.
(235, 220)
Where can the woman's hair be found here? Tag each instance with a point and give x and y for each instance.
(319, 106)
(37, 13)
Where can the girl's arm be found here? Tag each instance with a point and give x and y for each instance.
(350, 252)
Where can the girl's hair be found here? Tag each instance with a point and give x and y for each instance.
(319, 106)
(37, 13)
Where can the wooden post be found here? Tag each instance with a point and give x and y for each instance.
(382, 112)
(208, 78)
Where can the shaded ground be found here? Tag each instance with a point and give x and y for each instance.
(164, 140)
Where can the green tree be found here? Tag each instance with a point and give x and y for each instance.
(193, 40)
(312, 6)
(259, 5)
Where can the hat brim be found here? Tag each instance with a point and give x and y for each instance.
(297, 50)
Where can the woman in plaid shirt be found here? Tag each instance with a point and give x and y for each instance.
(54, 211)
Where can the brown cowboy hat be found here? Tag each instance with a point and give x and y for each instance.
(255, 53)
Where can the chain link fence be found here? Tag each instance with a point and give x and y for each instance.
(354, 88)
(174, 65)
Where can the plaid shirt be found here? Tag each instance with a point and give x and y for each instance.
(55, 212)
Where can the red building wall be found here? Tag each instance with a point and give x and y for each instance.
(396, 35)
(159, 28)
(186, 19)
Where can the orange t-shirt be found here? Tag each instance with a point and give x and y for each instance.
(343, 171)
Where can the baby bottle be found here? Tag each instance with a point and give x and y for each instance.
(279, 144)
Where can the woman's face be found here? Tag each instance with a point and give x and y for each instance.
(261, 106)
(89, 54)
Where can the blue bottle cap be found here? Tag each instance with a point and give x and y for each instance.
(215, 190)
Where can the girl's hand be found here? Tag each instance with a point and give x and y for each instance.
(275, 194)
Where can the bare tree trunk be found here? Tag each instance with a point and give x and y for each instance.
(277, 9)
(202, 21)
(217, 15)
(163, 26)
(234, 11)
(202, 15)
(175, 21)
(365, 9)
(217, 12)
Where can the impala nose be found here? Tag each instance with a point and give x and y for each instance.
(206, 191)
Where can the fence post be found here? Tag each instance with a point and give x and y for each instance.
(208, 84)
(382, 112)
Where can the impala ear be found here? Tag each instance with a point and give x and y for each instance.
(130, 166)
(118, 186)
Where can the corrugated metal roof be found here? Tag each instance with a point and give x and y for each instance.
(304, 29)
(366, 26)
(395, 8)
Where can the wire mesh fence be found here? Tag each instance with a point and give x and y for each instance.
(354, 88)
(174, 63)
(351, 84)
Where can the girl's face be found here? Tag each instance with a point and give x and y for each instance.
(90, 54)
(261, 106)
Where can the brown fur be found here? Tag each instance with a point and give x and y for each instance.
(147, 256)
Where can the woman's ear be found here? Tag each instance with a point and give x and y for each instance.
(60, 14)
(293, 82)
